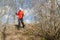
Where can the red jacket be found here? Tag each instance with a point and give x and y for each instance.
(20, 14)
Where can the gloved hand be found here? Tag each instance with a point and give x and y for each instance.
(16, 13)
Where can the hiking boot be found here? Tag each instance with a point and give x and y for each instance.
(23, 26)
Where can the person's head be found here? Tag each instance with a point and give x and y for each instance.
(20, 9)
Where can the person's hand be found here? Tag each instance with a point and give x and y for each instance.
(16, 13)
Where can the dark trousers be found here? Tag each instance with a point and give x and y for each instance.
(20, 21)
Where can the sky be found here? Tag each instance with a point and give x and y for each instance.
(8, 8)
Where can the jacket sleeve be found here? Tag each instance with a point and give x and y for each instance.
(23, 13)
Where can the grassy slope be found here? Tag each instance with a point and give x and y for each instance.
(27, 33)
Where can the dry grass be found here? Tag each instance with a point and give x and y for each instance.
(11, 33)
